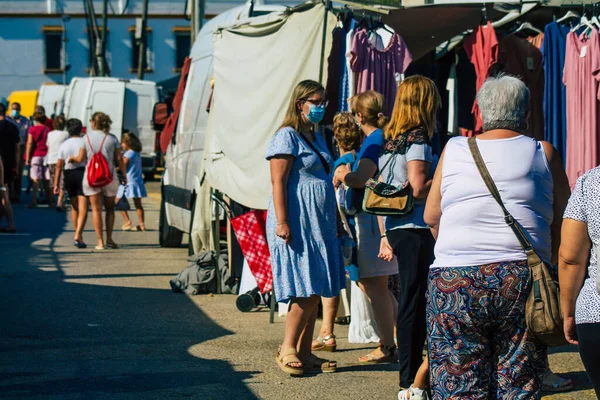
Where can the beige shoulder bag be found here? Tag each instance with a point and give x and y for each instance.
(542, 311)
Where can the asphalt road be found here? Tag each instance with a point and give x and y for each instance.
(87, 324)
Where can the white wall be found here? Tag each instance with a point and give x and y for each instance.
(22, 56)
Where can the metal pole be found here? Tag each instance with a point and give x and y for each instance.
(64, 49)
(193, 22)
(324, 40)
(95, 37)
(142, 45)
(200, 14)
(104, 33)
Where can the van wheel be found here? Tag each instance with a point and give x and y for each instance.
(192, 214)
(167, 235)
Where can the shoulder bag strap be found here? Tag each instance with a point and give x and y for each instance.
(323, 161)
(90, 143)
(489, 182)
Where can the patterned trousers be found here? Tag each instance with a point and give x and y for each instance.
(479, 346)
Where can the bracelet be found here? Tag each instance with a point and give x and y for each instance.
(384, 235)
(282, 223)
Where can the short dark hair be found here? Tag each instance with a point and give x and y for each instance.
(74, 127)
(16, 103)
(2, 109)
(40, 109)
(59, 123)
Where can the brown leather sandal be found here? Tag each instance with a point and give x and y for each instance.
(286, 357)
(389, 356)
(317, 364)
(320, 344)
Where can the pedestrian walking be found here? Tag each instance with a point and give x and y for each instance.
(374, 273)
(135, 188)
(479, 344)
(99, 141)
(301, 227)
(23, 124)
(35, 155)
(10, 153)
(72, 174)
(580, 253)
(55, 138)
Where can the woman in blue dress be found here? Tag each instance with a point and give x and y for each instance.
(135, 188)
(302, 227)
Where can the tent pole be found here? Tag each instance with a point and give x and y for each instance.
(324, 40)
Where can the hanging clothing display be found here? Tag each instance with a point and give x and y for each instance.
(518, 57)
(482, 50)
(335, 63)
(555, 94)
(377, 69)
(537, 41)
(582, 63)
(349, 79)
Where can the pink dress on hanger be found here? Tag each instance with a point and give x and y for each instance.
(581, 77)
(482, 50)
(377, 69)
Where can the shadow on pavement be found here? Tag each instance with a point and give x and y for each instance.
(70, 340)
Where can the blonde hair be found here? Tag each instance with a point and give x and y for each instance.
(303, 91)
(346, 132)
(417, 102)
(132, 141)
(371, 106)
(102, 121)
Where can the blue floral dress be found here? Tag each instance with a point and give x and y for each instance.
(312, 263)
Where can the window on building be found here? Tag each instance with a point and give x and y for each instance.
(53, 48)
(135, 50)
(183, 42)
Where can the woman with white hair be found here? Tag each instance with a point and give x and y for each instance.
(479, 345)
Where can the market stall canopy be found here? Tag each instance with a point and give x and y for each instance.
(256, 67)
(425, 28)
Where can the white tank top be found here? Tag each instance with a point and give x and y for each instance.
(472, 228)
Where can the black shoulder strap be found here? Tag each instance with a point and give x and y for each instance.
(312, 146)
(489, 182)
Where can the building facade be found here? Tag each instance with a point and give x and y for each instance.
(49, 40)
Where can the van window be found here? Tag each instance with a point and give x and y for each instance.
(53, 48)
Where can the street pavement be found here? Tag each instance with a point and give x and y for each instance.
(87, 324)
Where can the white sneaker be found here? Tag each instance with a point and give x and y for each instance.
(412, 394)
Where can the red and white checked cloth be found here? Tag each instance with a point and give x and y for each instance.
(250, 231)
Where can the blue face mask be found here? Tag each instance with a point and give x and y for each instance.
(315, 113)
(14, 113)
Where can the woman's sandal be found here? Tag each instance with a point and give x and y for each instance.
(317, 364)
(127, 227)
(389, 356)
(555, 383)
(320, 344)
(286, 357)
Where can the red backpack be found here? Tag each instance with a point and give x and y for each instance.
(98, 173)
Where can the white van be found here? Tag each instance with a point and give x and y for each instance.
(184, 156)
(128, 103)
(51, 98)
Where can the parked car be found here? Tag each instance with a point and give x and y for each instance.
(128, 102)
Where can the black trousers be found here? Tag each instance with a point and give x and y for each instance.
(589, 349)
(414, 250)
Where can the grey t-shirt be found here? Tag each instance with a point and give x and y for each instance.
(111, 143)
